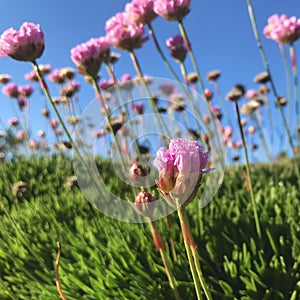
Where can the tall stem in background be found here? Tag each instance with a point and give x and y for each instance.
(257, 224)
(267, 68)
(296, 92)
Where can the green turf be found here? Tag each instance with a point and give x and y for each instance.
(107, 259)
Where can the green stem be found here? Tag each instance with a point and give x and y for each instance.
(267, 68)
(191, 245)
(166, 62)
(159, 246)
(47, 93)
(296, 91)
(257, 224)
(195, 66)
(288, 82)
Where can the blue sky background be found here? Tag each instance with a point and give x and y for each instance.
(220, 32)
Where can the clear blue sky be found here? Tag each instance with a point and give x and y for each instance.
(220, 32)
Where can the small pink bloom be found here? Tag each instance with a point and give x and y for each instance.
(282, 29)
(166, 89)
(126, 82)
(26, 90)
(56, 77)
(20, 135)
(25, 44)
(172, 10)
(54, 123)
(208, 94)
(31, 76)
(251, 129)
(13, 121)
(138, 173)
(33, 144)
(140, 11)
(251, 94)
(41, 134)
(70, 89)
(227, 131)
(216, 110)
(11, 90)
(177, 47)
(89, 56)
(123, 34)
(22, 102)
(139, 108)
(106, 84)
(142, 200)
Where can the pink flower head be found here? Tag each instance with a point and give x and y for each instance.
(70, 88)
(106, 84)
(11, 90)
(227, 131)
(139, 108)
(22, 102)
(33, 144)
(89, 56)
(126, 82)
(140, 11)
(56, 77)
(142, 200)
(181, 167)
(123, 34)
(166, 89)
(177, 47)
(13, 121)
(31, 76)
(282, 29)
(216, 110)
(54, 123)
(20, 135)
(251, 94)
(25, 44)
(5, 78)
(172, 10)
(41, 133)
(26, 90)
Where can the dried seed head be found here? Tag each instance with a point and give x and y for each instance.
(213, 75)
(263, 77)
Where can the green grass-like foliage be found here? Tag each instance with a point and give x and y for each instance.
(106, 259)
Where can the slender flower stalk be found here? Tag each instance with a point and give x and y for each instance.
(257, 224)
(267, 68)
(200, 80)
(192, 248)
(165, 60)
(296, 91)
(58, 285)
(159, 245)
(288, 82)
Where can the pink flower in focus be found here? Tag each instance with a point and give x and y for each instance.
(123, 34)
(11, 90)
(177, 47)
(13, 121)
(89, 56)
(282, 29)
(140, 11)
(26, 90)
(181, 168)
(25, 44)
(172, 10)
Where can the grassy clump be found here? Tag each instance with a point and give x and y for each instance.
(106, 259)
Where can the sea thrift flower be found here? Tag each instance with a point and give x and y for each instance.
(139, 108)
(251, 94)
(123, 34)
(126, 82)
(89, 56)
(56, 77)
(138, 173)
(213, 75)
(11, 90)
(282, 29)
(33, 144)
(166, 89)
(41, 133)
(45, 113)
(70, 89)
(13, 121)
(208, 94)
(177, 47)
(172, 10)
(31, 76)
(25, 90)
(5, 78)
(106, 84)
(22, 102)
(216, 110)
(142, 200)
(67, 73)
(140, 11)
(20, 135)
(181, 168)
(25, 44)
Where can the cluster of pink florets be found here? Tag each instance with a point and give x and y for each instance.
(283, 29)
